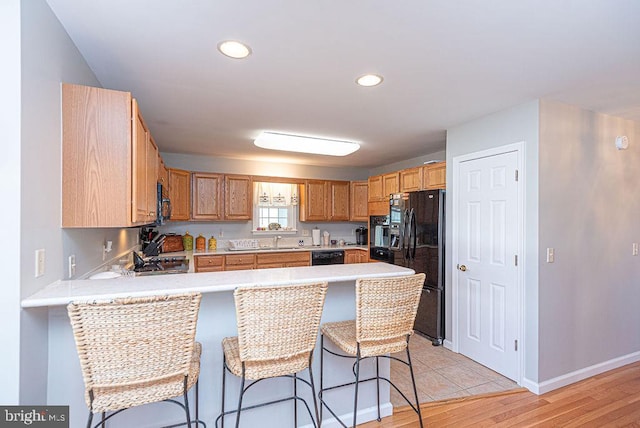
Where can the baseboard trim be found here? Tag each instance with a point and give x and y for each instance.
(578, 375)
(364, 415)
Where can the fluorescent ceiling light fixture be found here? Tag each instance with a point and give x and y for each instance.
(369, 80)
(234, 49)
(298, 143)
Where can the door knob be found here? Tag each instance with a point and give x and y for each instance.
(462, 268)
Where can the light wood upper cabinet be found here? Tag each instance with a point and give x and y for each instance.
(359, 198)
(390, 184)
(322, 200)
(434, 176)
(207, 203)
(376, 192)
(180, 194)
(314, 201)
(339, 200)
(410, 179)
(238, 200)
(108, 177)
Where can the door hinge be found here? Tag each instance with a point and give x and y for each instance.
(516, 259)
(516, 344)
(516, 175)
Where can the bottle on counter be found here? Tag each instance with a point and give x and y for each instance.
(200, 243)
(187, 242)
(213, 244)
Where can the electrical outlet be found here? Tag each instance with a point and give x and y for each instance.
(634, 249)
(551, 255)
(221, 234)
(40, 259)
(72, 265)
(305, 232)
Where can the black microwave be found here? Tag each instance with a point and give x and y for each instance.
(164, 205)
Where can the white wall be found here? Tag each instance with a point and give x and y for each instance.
(409, 163)
(513, 125)
(589, 205)
(48, 59)
(10, 191)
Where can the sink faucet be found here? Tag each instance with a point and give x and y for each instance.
(276, 239)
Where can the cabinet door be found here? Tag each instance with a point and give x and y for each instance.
(207, 196)
(339, 200)
(435, 176)
(313, 199)
(376, 192)
(390, 184)
(140, 212)
(179, 194)
(209, 263)
(351, 256)
(97, 152)
(410, 179)
(359, 198)
(238, 201)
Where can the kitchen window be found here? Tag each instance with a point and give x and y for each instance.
(275, 208)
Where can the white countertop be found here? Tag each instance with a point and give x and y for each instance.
(63, 292)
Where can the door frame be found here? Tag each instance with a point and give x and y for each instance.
(519, 148)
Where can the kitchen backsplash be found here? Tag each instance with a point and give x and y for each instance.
(223, 232)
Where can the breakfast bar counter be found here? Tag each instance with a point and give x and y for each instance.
(216, 320)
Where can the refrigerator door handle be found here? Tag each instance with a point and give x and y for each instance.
(414, 234)
(406, 232)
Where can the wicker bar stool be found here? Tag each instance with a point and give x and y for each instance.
(385, 312)
(277, 333)
(135, 351)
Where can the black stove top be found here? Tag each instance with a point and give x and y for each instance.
(178, 264)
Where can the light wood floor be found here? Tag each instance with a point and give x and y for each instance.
(611, 399)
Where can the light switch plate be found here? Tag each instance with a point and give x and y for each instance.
(550, 255)
(40, 254)
(634, 250)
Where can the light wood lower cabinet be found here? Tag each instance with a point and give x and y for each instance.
(209, 263)
(245, 261)
(355, 256)
(281, 260)
(240, 261)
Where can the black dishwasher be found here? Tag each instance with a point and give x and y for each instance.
(329, 257)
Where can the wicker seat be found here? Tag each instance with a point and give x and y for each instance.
(385, 312)
(277, 333)
(136, 351)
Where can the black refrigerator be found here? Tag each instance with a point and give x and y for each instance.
(416, 228)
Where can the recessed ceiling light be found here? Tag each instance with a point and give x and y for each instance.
(298, 143)
(234, 49)
(369, 80)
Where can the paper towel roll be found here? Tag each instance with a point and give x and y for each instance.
(315, 236)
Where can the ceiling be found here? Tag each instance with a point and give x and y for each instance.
(444, 63)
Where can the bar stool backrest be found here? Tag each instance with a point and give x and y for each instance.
(385, 312)
(135, 341)
(280, 322)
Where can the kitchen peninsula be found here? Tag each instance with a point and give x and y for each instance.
(216, 321)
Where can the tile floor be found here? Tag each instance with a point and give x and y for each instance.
(442, 374)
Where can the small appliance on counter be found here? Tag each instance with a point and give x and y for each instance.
(362, 234)
(172, 243)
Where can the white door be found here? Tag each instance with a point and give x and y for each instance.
(486, 260)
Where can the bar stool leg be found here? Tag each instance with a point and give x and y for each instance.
(240, 399)
(313, 392)
(378, 385)
(295, 400)
(186, 403)
(321, 375)
(224, 375)
(355, 401)
(413, 382)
